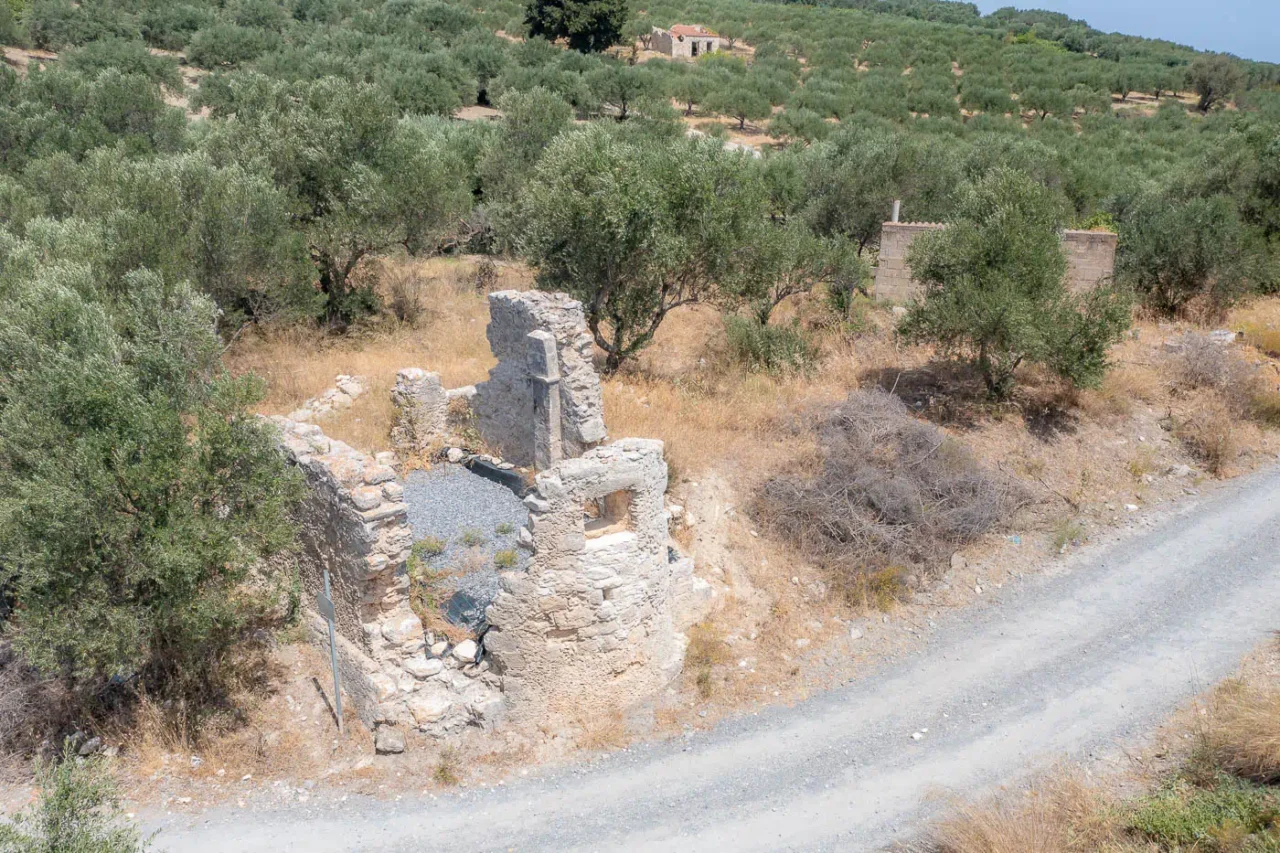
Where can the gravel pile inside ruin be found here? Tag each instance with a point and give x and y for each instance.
(452, 504)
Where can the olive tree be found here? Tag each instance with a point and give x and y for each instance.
(636, 228)
(994, 290)
(137, 491)
(359, 179)
(787, 259)
(589, 26)
(1214, 78)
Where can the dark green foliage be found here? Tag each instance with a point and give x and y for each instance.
(589, 26)
(357, 179)
(772, 349)
(635, 228)
(995, 292)
(738, 99)
(128, 57)
(1175, 249)
(136, 492)
(78, 812)
(228, 45)
(1214, 79)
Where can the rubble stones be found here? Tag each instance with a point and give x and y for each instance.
(345, 392)
(465, 652)
(388, 741)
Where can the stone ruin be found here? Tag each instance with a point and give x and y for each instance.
(585, 610)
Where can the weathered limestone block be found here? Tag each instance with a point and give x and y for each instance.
(504, 405)
(544, 378)
(423, 406)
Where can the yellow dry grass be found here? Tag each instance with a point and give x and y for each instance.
(1065, 815)
(1260, 322)
(1243, 735)
(299, 363)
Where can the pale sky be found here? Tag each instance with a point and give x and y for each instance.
(1247, 28)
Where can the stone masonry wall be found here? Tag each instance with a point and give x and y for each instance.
(505, 404)
(682, 48)
(1091, 258)
(353, 522)
(893, 276)
(592, 623)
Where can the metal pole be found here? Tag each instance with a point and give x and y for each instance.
(333, 658)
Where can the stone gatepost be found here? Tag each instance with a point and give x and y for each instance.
(544, 376)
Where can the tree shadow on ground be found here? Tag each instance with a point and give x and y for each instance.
(952, 394)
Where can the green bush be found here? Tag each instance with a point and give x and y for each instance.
(773, 349)
(78, 812)
(1182, 816)
(138, 494)
(994, 289)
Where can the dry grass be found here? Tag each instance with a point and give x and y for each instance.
(448, 772)
(1260, 322)
(1065, 816)
(448, 337)
(603, 731)
(1243, 736)
(1210, 432)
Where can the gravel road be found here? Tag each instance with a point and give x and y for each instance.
(1068, 664)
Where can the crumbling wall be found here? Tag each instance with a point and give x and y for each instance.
(592, 623)
(353, 522)
(422, 409)
(505, 405)
(345, 391)
(1091, 259)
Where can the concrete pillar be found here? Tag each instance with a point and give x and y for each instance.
(544, 377)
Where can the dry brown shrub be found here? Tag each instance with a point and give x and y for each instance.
(1209, 432)
(887, 491)
(35, 711)
(406, 291)
(1243, 733)
(1120, 388)
(1201, 363)
(604, 731)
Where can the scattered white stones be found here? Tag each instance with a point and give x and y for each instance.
(455, 455)
(855, 633)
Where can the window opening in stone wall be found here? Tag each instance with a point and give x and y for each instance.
(608, 514)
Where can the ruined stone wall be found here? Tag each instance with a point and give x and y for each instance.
(353, 522)
(1091, 258)
(592, 622)
(505, 404)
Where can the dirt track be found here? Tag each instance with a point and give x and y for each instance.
(1067, 665)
